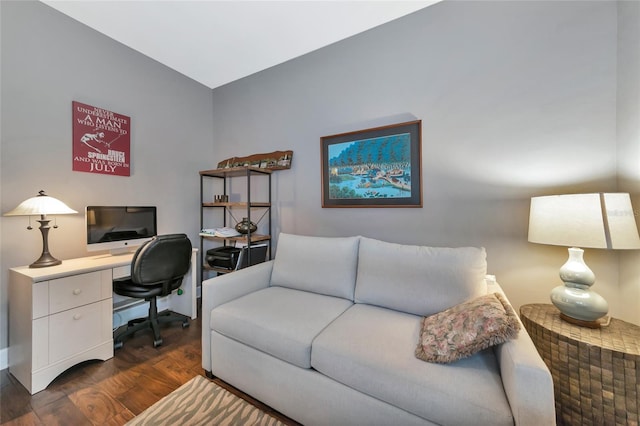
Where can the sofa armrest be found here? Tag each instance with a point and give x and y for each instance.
(526, 379)
(222, 289)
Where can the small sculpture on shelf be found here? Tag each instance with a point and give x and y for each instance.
(246, 226)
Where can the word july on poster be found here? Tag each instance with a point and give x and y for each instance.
(101, 141)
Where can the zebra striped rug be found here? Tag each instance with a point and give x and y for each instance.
(202, 402)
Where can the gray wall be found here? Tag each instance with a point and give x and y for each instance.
(50, 60)
(516, 99)
(629, 142)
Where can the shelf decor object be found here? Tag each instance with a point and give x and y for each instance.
(277, 160)
(42, 205)
(598, 220)
(246, 226)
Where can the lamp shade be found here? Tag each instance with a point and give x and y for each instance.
(599, 220)
(41, 204)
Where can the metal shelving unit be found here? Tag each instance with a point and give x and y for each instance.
(222, 179)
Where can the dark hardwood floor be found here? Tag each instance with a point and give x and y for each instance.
(114, 391)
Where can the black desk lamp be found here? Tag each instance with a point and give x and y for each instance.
(42, 205)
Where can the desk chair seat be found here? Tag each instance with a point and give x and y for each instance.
(158, 268)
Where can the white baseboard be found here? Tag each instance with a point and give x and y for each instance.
(4, 358)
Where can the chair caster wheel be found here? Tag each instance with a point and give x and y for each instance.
(117, 345)
(185, 324)
(157, 343)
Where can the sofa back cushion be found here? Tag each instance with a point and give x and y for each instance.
(321, 265)
(416, 279)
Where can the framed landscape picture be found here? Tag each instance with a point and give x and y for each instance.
(378, 167)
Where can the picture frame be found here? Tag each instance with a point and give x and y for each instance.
(377, 167)
(101, 141)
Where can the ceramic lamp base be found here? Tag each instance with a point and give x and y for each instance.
(575, 299)
(579, 303)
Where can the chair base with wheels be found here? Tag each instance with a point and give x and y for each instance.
(158, 268)
(153, 321)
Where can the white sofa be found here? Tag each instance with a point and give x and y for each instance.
(326, 332)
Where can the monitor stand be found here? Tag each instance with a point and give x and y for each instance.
(121, 251)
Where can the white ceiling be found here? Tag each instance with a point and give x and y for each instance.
(215, 42)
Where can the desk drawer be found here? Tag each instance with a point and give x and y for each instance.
(77, 290)
(74, 331)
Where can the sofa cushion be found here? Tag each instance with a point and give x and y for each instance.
(279, 321)
(416, 279)
(467, 328)
(319, 264)
(371, 349)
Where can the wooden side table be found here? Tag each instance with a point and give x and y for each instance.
(596, 372)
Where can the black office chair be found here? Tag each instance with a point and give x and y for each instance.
(157, 269)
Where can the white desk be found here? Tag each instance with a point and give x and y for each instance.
(63, 315)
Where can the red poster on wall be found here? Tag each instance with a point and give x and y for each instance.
(101, 141)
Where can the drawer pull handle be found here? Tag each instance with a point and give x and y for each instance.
(77, 317)
(77, 291)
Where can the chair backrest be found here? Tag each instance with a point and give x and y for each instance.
(163, 259)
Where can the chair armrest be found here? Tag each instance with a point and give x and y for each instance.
(526, 379)
(222, 289)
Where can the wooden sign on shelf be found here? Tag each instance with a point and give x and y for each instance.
(277, 160)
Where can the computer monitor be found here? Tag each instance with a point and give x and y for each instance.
(119, 229)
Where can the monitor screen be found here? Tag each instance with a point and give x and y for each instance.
(119, 228)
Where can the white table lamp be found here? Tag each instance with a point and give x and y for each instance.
(42, 205)
(604, 221)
